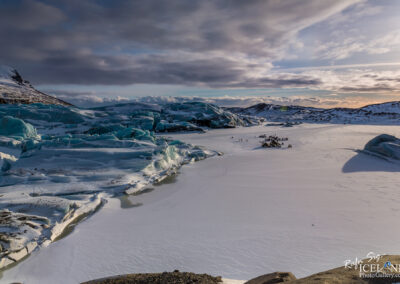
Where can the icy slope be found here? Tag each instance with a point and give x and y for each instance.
(59, 163)
(385, 113)
(15, 90)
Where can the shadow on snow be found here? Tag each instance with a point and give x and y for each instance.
(363, 162)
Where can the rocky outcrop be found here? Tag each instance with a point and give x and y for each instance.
(160, 278)
(15, 90)
(385, 269)
(380, 270)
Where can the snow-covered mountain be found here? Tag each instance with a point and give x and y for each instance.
(14, 89)
(384, 113)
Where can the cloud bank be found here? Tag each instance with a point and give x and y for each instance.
(219, 43)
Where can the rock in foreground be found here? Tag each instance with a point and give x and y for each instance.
(159, 278)
(381, 270)
(275, 277)
(387, 267)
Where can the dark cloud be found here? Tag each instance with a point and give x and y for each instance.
(388, 79)
(217, 73)
(28, 15)
(368, 89)
(220, 43)
(288, 80)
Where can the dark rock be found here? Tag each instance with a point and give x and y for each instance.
(175, 277)
(275, 277)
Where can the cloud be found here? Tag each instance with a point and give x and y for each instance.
(345, 48)
(357, 80)
(86, 99)
(27, 15)
(356, 12)
(222, 44)
(217, 43)
(328, 101)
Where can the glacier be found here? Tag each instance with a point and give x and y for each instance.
(60, 163)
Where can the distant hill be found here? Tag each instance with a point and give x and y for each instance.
(15, 90)
(384, 113)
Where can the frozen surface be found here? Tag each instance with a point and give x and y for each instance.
(243, 214)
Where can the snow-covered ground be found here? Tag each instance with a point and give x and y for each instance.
(247, 213)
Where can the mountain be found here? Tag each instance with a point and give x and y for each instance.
(15, 90)
(384, 113)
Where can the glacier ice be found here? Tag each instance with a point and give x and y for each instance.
(384, 145)
(59, 162)
(16, 128)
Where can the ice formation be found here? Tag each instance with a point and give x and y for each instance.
(384, 145)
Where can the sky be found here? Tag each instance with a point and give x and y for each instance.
(308, 52)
